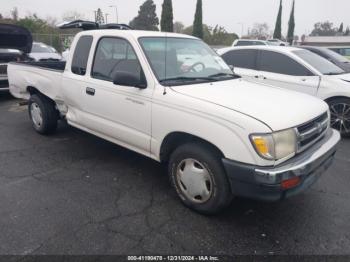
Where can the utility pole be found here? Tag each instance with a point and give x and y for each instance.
(242, 32)
(107, 18)
(116, 12)
(95, 11)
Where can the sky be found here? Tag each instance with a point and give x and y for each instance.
(234, 15)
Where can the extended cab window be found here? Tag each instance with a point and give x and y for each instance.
(81, 55)
(241, 58)
(281, 64)
(113, 55)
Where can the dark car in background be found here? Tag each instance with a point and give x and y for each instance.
(15, 43)
(331, 56)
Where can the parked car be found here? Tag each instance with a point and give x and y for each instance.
(15, 44)
(299, 70)
(331, 56)
(248, 42)
(342, 50)
(219, 134)
(277, 42)
(43, 52)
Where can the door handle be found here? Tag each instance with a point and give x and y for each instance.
(90, 91)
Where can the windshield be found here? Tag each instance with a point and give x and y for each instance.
(177, 61)
(319, 63)
(42, 48)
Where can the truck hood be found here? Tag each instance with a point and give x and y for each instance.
(277, 108)
(15, 37)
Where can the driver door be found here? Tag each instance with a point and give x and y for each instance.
(121, 114)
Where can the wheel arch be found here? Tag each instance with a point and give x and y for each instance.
(335, 97)
(175, 139)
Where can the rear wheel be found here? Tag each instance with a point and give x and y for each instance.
(340, 115)
(197, 174)
(43, 114)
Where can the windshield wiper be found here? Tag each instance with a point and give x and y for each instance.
(224, 74)
(334, 73)
(185, 78)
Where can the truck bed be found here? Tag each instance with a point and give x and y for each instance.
(45, 76)
(53, 65)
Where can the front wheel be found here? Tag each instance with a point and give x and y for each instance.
(197, 174)
(340, 115)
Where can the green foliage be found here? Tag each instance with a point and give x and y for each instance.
(198, 21)
(214, 36)
(291, 26)
(167, 24)
(278, 27)
(147, 18)
(99, 17)
(324, 29)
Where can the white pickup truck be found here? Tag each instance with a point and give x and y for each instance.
(220, 135)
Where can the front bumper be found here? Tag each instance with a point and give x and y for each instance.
(265, 183)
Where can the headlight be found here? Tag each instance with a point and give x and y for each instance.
(275, 146)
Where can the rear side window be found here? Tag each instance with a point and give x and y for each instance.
(241, 58)
(81, 55)
(281, 64)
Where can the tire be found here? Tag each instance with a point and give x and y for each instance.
(43, 114)
(340, 115)
(195, 168)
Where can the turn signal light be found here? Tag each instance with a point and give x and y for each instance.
(290, 183)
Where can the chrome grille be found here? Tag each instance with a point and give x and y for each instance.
(310, 132)
(3, 69)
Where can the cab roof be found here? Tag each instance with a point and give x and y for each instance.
(132, 33)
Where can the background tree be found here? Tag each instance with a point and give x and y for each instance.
(347, 31)
(278, 27)
(198, 21)
(259, 31)
(166, 23)
(214, 35)
(179, 27)
(100, 19)
(219, 36)
(324, 29)
(341, 28)
(147, 17)
(291, 26)
(14, 14)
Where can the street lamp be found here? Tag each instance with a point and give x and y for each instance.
(116, 12)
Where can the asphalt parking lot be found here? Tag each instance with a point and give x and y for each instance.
(73, 193)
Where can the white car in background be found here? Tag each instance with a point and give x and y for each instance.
(299, 70)
(42, 52)
(277, 42)
(249, 42)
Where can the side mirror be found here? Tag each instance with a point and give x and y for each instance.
(123, 78)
